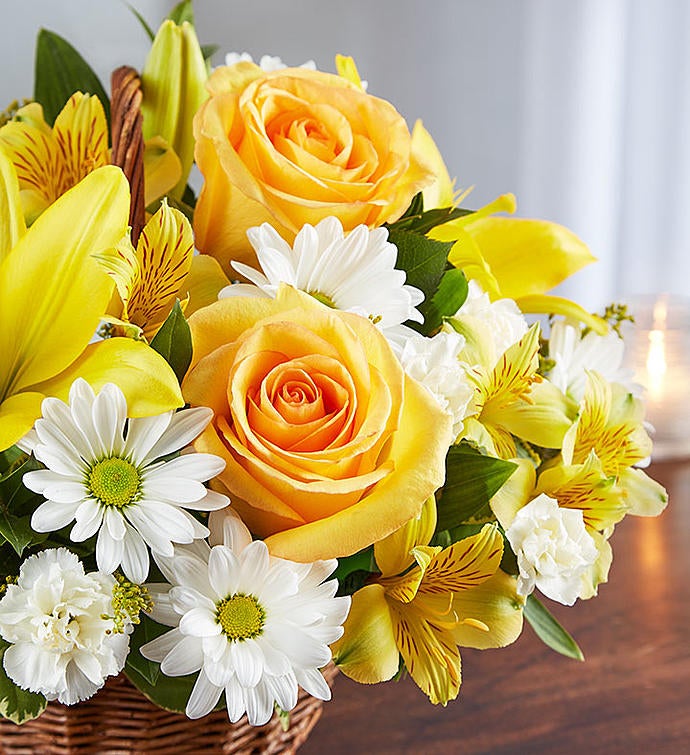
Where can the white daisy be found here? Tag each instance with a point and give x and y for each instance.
(575, 355)
(435, 363)
(108, 474)
(58, 621)
(254, 626)
(354, 272)
(267, 62)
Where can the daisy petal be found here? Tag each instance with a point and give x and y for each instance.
(51, 516)
(109, 551)
(203, 698)
(184, 427)
(135, 558)
(89, 516)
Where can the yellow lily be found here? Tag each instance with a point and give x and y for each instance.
(611, 425)
(511, 398)
(450, 597)
(49, 161)
(514, 258)
(173, 83)
(52, 295)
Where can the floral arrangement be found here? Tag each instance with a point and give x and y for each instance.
(320, 413)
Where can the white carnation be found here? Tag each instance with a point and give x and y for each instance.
(434, 362)
(61, 644)
(502, 317)
(553, 549)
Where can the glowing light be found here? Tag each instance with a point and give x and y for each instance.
(656, 356)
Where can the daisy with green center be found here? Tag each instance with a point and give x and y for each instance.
(109, 474)
(354, 272)
(252, 625)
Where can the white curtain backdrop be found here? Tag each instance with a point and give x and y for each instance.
(580, 108)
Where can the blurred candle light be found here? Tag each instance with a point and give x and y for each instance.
(659, 353)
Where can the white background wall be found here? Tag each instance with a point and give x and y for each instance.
(580, 108)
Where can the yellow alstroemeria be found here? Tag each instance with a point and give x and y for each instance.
(511, 398)
(173, 83)
(611, 424)
(52, 295)
(49, 161)
(449, 597)
(161, 270)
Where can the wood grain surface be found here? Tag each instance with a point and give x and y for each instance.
(632, 694)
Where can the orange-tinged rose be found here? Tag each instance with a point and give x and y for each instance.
(292, 147)
(329, 445)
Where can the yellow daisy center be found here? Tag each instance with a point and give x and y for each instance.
(241, 617)
(114, 482)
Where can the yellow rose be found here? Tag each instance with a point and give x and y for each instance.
(329, 445)
(292, 147)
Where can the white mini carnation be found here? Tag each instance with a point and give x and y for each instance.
(553, 549)
(267, 62)
(61, 644)
(354, 272)
(252, 625)
(502, 317)
(434, 362)
(109, 474)
(575, 355)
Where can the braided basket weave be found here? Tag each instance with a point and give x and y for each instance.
(119, 720)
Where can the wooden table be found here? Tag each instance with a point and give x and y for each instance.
(632, 695)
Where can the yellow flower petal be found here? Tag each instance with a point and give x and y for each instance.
(146, 379)
(53, 292)
(598, 573)
(528, 256)
(440, 192)
(367, 651)
(162, 169)
(149, 279)
(204, 281)
(515, 492)
(545, 304)
(496, 604)
(17, 416)
(430, 653)
(345, 66)
(12, 226)
(394, 554)
(645, 496)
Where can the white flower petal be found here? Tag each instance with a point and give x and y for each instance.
(142, 435)
(135, 558)
(259, 704)
(204, 697)
(184, 427)
(200, 622)
(193, 466)
(212, 501)
(223, 570)
(89, 516)
(167, 488)
(157, 521)
(109, 551)
(234, 700)
(51, 516)
(312, 681)
(78, 687)
(248, 662)
(157, 649)
(185, 657)
(109, 412)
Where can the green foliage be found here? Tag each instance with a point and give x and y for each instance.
(549, 631)
(417, 220)
(423, 260)
(472, 479)
(353, 571)
(182, 12)
(17, 503)
(59, 72)
(149, 31)
(17, 704)
(449, 297)
(174, 342)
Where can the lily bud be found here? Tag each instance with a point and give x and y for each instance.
(173, 82)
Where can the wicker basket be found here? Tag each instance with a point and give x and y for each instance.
(119, 720)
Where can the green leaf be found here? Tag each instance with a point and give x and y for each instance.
(549, 631)
(14, 496)
(144, 632)
(174, 342)
(423, 261)
(182, 12)
(362, 561)
(18, 533)
(472, 479)
(417, 220)
(449, 297)
(60, 71)
(16, 704)
(149, 31)
(208, 51)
